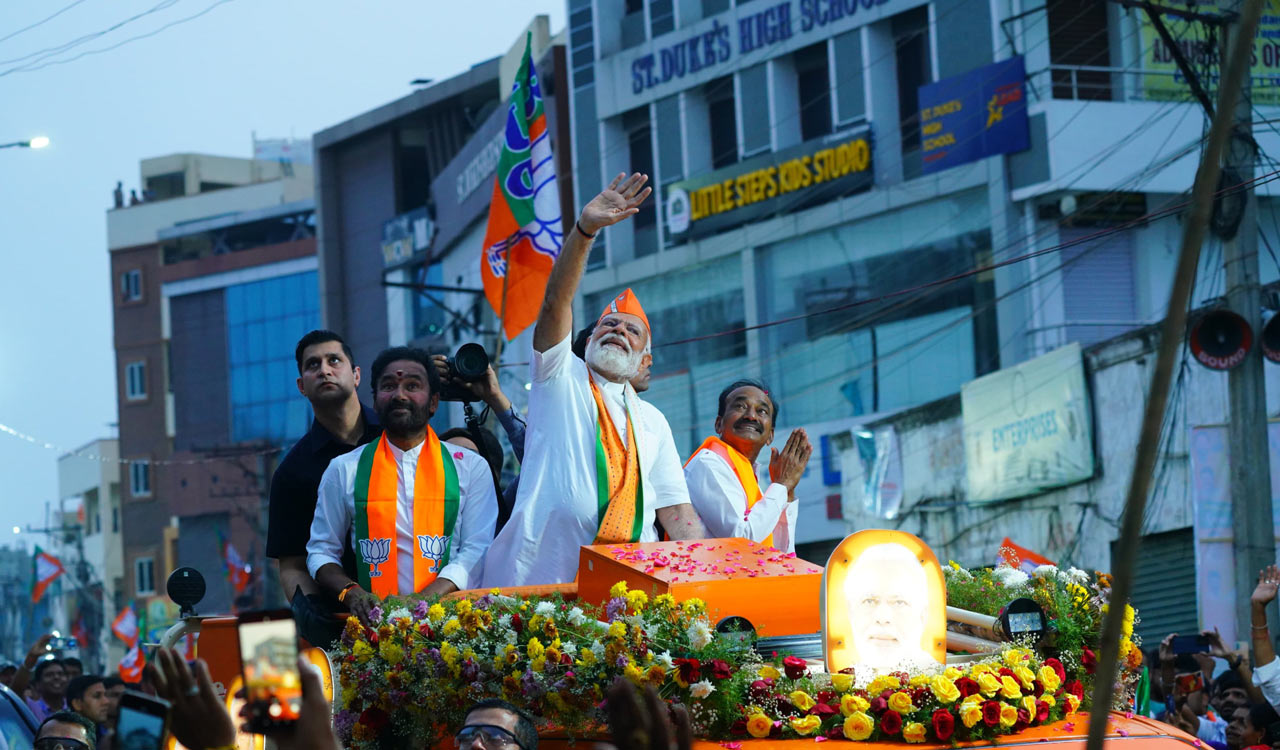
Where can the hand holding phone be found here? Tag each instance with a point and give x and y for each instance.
(198, 717)
(1188, 683)
(269, 664)
(1190, 644)
(143, 722)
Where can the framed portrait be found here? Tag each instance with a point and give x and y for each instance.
(884, 604)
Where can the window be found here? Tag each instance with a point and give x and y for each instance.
(428, 315)
(115, 518)
(135, 380)
(1078, 37)
(724, 122)
(140, 478)
(662, 17)
(131, 285)
(92, 513)
(915, 69)
(813, 82)
(633, 24)
(144, 576)
(640, 152)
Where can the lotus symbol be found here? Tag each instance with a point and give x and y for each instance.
(433, 548)
(375, 552)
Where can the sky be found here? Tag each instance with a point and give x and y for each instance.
(204, 85)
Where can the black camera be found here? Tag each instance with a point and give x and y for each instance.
(468, 365)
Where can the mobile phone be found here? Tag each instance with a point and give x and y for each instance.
(269, 664)
(1189, 644)
(1188, 683)
(143, 722)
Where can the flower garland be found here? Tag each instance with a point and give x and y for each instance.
(414, 674)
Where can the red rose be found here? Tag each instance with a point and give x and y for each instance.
(1042, 711)
(795, 667)
(738, 727)
(943, 724)
(879, 704)
(1006, 672)
(761, 689)
(720, 670)
(1076, 688)
(826, 696)
(891, 722)
(1056, 666)
(967, 686)
(1024, 720)
(920, 695)
(991, 713)
(1039, 688)
(1089, 660)
(824, 710)
(836, 732)
(516, 623)
(690, 670)
(374, 718)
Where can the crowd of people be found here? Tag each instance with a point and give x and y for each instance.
(373, 503)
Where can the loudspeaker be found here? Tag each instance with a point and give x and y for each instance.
(1220, 339)
(1271, 338)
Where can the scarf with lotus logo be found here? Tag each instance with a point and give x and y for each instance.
(435, 512)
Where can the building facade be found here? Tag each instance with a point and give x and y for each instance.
(214, 280)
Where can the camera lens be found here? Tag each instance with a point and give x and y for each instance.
(470, 362)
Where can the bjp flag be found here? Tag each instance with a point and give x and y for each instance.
(524, 234)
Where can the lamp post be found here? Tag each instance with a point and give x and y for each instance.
(39, 141)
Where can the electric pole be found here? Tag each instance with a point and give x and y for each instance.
(1249, 451)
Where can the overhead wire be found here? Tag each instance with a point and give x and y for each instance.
(59, 49)
(41, 22)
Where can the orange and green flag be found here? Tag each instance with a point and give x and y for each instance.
(45, 570)
(524, 234)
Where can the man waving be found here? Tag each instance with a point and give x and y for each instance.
(599, 463)
(419, 513)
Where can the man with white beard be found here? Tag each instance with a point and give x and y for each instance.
(599, 463)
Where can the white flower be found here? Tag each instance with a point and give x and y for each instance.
(1077, 575)
(701, 689)
(957, 573)
(504, 622)
(1010, 576)
(397, 614)
(576, 617)
(1045, 572)
(546, 609)
(597, 649)
(699, 634)
(568, 647)
(666, 660)
(509, 637)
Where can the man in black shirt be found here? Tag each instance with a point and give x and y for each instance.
(328, 377)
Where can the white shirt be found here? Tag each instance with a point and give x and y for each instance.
(1267, 678)
(556, 509)
(472, 531)
(721, 501)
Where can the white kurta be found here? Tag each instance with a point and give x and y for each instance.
(472, 531)
(556, 509)
(721, 501)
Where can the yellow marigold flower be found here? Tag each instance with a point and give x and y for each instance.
(901, 702)
(858, 726)
(988, 683)
(953, 673)
(586, 657)
(970, 714)
(1049, 679)
(534, 649)
(1008, 715)
(656, 675)
(913, 732)
(841, 682)
(882, 683)
(694, 605)
(535, 622)
(759, 725)
(1025, 676)
(1029, 703)
(944, 689)
(391, 651)
(638, 600)
(363, 652)
(666, 601)
(499, 662)
(767, 672)
(954, 565)
(435, 613)
(619, 589)
(618, 629)
(463, 606)
(451, 627)
(553, 654)
(1073, 703)
(802, 700)
(806, 725)
(852, 704)
(634, 674)
(449, 653)
(1009, 688)
(538, 664)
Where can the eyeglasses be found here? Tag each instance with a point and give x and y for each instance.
(59, 743)
(491, 737)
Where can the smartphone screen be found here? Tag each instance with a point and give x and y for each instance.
(269, 661)
(141, 725)
(1189, 644)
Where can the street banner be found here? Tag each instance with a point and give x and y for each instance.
(524, 234)
(46, 569)
(1162, 80)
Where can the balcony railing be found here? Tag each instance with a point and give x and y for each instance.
(1099, 83)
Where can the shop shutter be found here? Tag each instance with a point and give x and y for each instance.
(1097, 285)
(1164, 586)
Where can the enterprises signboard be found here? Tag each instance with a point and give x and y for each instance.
(810, 173)
(974, 115)
(1162, 81)
(1028, 428)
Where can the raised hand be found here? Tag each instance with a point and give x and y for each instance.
(643, 724)
(1268, 582)
(787, 467)
(620, 200)
(198, 717)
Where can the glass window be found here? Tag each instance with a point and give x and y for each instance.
(640, 153)
(131, 285)
(874, 357)
(813, 83)
(140, 478)
(144, 576)
(429, 318)
(724, 122)
(265, 319)
(135, 378)
(911, 48)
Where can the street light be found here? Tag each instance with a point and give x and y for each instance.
(39, 141)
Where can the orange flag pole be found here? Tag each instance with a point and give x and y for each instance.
(502, 317)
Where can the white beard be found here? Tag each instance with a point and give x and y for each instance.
(615, 365)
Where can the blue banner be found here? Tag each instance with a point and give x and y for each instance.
(974, 115)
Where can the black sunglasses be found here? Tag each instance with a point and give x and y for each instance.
(59, 743)
(492, 737)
